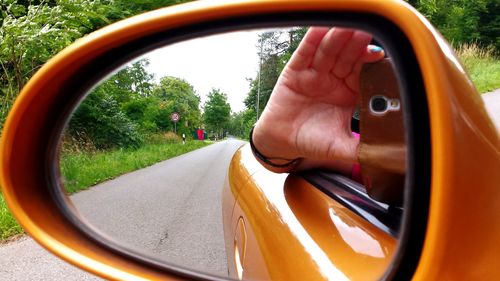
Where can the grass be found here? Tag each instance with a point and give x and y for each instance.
(8, 225)
(482, 66)
(82, 170)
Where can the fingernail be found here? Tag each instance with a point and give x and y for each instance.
(375, 49)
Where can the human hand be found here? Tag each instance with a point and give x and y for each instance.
(309, 112)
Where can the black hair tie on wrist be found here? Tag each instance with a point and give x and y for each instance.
(289, 165)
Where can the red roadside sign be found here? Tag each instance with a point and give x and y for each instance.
(175, 117)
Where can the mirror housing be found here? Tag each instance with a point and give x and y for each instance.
(448, 116)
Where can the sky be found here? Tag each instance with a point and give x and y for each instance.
(222, 61)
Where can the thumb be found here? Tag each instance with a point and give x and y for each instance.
(373, 53)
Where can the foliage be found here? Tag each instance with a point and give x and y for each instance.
(217, 112)
(137, 109)
(127, 8)
(129, 106)
(464, 21)
(100, 119)
(33, 31)
(473, 28)
(177, 95)
(481, 65)
(276, 49)
(241, 123)
(31, 34)
(112, 113)
(132, 82)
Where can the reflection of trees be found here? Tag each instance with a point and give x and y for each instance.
(217, 112)
(177, 95)
(129, 107)
(277, 48)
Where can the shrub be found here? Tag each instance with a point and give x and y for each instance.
(100, 119)
(171, 137)
(77, 144)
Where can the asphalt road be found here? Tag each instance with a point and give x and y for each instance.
(170, 211)
(492, 102)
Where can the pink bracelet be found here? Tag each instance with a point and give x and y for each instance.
(356, 168)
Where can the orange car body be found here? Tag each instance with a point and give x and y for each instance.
(280, 227)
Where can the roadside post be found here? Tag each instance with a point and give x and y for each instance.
(175, 118)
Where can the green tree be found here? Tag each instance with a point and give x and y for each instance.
(269, 73)
(464, 21)
(139, 110)
(241, 123)
(100, 120)
(276, 49)
(32, 31)
(217, 112)
(135, 79)
(32, 34)
(127, 8)
(177, 95)
(489, 25)
(28, 40)
(113, 114)
(130, 83)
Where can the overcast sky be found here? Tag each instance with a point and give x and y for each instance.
(218, 61)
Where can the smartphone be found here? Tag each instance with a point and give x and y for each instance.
(382, 152)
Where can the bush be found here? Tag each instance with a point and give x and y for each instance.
(77, 144)
(136, 109)
(171, 137)
(474, 51)
(100, 119)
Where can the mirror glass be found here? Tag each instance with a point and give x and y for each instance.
(145, 157)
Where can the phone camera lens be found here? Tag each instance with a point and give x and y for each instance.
(379, 104)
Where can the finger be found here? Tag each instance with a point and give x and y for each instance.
(373, 53)
(303, 56)
(329, 48)
(351, 52)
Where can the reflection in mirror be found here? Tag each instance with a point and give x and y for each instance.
(145, 158)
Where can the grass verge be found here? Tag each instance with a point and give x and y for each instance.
(8, 225)
(82, 170)
(482, 66)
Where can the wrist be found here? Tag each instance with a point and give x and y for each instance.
(274, 164)
(272, 142)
